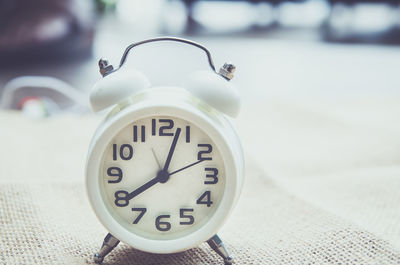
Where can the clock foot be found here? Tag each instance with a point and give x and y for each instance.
(109, 243)
(218, 246)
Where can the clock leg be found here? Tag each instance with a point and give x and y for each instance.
(218, 246)
(109, 243)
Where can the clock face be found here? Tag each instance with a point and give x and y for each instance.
(162, 177)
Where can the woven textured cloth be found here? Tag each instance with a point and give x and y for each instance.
(322, 187)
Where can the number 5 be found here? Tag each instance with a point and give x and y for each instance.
(183, 215)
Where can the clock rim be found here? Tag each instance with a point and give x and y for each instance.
(177, 109)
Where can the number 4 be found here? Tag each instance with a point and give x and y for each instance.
(205, 198)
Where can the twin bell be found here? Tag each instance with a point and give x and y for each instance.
(213, 88)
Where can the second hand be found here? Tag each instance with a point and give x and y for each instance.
(190, 165)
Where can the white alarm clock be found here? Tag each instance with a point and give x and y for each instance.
(165, 167)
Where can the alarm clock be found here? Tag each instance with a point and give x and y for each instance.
(165, 167)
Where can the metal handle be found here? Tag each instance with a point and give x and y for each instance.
(226, 71)
(130, 47)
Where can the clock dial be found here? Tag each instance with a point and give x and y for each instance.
(162, 177)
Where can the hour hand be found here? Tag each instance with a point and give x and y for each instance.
(144, 187)
(161, 177)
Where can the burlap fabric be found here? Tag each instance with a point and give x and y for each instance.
(322, 187)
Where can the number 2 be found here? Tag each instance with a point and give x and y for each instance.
(201, 154)
(165, 130)
(166, 127)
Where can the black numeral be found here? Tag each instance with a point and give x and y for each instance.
(153, 127)
(114, 152)
(125, 151)
(121, 198)
(213, 175)
(205, 198)
(142, 212)
(187, 216)
(166, 127)
(202, 154)
(163, 225)
(142, 133)
(114, 172)
(188, 134)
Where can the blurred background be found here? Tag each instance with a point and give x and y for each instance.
(298, 50)
(320, 83)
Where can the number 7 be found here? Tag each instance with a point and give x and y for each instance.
(142, 212)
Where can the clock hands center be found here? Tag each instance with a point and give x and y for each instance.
(161, 177)
(163, 174)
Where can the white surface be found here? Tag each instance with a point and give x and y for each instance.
(322, 186)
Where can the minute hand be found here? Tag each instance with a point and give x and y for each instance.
(171, 150)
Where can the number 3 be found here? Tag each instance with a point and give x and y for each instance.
(213, 176)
